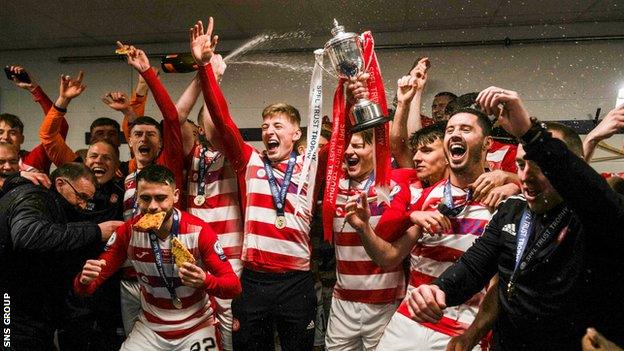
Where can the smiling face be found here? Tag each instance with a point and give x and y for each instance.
(465, 144)
(145, 142)
(279, 135)
(103, 161)
(10, 135)
(359, 158)
(540, 195)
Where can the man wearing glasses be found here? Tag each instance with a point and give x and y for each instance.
(43, 236)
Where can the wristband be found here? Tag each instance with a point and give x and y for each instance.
(533, 133)
(60, 109)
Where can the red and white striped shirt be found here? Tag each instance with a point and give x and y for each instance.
(435, 253)
(502, 156)
(158, 312)
(221, 207)
(358, 278)
(265, 247)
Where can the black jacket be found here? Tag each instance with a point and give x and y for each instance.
(39, 251)
(573, 285)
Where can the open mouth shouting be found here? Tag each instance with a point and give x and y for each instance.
(457, 150)
(272, 145)
(98, 171)
(352, 163)
(145, 150)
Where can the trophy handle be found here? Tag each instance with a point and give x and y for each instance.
(318, 55)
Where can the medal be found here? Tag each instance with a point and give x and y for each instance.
(199, 200)
(177, 303)
(280, 222)
(279, 193)
(510, 289)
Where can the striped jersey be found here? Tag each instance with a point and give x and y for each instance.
(157, 310)
(502, 156)
(265, 247)
(435, 253)
(219, 205)
(358, 278)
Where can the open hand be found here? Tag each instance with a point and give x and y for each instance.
(203, 43)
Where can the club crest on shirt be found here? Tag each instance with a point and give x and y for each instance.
(218, 249)
(261, 173)
(110, 241)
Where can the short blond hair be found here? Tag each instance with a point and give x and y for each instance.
(288, 110)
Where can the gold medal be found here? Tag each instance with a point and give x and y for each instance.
(177, 303)
(280, 222)
(199, 200)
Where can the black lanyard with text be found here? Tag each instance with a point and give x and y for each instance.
(177, 303)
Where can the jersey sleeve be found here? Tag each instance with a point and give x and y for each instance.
(172, 155)
(221, 281)
(52, 142)
(395, 219)
(114, 254)
(234, 147)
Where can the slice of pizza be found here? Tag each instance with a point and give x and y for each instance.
(150, 221)
(122, 51)
(180, 253)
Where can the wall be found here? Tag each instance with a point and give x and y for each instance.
(556, 81)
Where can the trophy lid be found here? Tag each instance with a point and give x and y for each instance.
(339, 35)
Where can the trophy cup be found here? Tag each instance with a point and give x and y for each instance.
(345, 53)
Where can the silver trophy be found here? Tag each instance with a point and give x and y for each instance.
(345, 53)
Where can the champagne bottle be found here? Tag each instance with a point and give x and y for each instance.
(178, 63)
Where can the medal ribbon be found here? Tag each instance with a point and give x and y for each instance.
(310, 160)
(158, 254)
(203, 167)
(334, 160)
(526, 226)
(279, 193)
(450, 210)
(377, 94)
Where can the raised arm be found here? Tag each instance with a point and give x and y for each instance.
(611, 124)
(173, 150)
(49, 133)
(37, 158)
(203, 46)
(399, 136)
(420, 72)
(567, 172)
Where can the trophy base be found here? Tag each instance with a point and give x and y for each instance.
(372, 123)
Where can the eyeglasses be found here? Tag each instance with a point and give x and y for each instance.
(82, 196)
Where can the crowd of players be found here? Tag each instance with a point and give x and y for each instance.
(497, 234)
